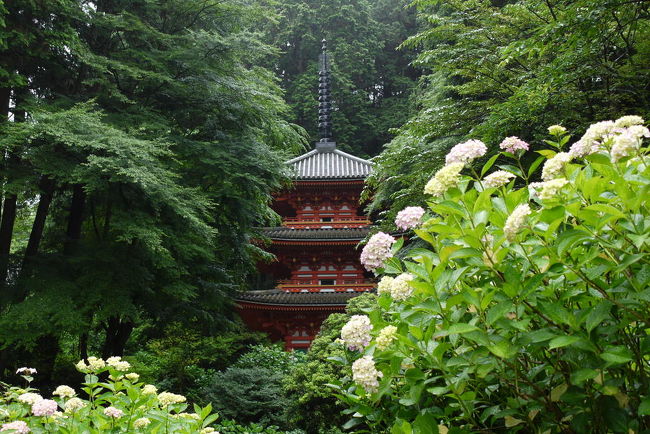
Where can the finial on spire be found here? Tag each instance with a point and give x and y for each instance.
(324, 97)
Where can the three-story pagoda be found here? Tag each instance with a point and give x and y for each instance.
(317, 268)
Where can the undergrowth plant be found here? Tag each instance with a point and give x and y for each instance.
(530, 308)
(111, 400)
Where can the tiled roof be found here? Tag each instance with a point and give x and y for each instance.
(334, 164)
(278, 297)
(283, 233)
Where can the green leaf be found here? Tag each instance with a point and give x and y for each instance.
(644, 407)
(562, 341)
(558, 391)
(598, 314)
(582, 375)
(489, 164)
(458, 328)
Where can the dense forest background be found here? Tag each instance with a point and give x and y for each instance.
(140, 142)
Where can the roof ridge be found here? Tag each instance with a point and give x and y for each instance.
(302, 157)
(354, 157)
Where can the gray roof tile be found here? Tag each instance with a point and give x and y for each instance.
(277, 297)
(283, 233)
(330, 165)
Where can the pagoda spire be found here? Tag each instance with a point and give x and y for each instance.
(325, 103)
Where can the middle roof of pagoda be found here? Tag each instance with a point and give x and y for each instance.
(323, 164)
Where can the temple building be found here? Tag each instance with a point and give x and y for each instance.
(317, 268)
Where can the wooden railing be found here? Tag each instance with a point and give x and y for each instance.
(356, 285)
(313, 222)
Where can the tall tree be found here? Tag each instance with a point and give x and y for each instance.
(504, 68)
(152, 148)
(372, 81)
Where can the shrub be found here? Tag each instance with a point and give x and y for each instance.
(529, 309)
(114, 400)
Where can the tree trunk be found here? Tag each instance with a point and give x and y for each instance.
(117, 334)
(6, 233)
(6, 226)
(47, 193)
(75, 218)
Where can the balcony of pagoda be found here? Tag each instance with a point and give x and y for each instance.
(316, 285)
(321, 223)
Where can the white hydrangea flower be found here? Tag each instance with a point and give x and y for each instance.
(132, 376)
(377, 251)
(96, 364)
(466, 152)
(167, 398)
(400, 289)
(628, 121)
(64, 391)
(30, 398)
(516, 221)
(548, 189)
(356, 333)
(386, 336)
(141, 423)
(444, 179)
(365, 374)
(149, 389)
(81, 366)
(554, 166)
(497, 179)
(384, 285)
(556, 130)
(73, 404)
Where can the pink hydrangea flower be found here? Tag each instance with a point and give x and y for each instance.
(18, 426)
(113, 412)
(377, 251)
(44, 407)
(409, 217)
(513, 144)
(466, 152)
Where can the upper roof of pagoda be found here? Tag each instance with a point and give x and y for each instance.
(329, 163)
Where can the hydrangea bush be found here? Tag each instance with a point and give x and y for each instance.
(111, 399)
(530, 309)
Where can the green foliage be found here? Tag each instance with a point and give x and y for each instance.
(250, 390)
(269, 357)
(183, 358)
(248, 395)
(518, 320)
(507, 68)
(113, 401)
(311, 404)
(372, 81)
(151, 144)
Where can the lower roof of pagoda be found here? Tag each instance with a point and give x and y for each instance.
(278, 299)
(282, 233)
